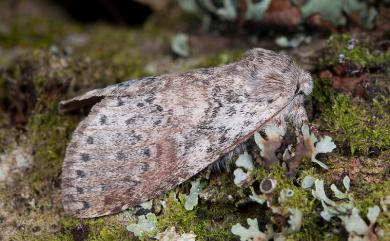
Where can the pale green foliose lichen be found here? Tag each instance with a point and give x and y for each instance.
(179, 45)
(324, 145)
(170, 235)
(192, 198)
(146, 225)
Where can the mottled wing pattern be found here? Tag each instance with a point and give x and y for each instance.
(144, 138)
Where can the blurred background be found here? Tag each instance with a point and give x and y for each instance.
(53, 50)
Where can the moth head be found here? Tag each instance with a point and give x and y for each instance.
(304, 83)
(273, 73)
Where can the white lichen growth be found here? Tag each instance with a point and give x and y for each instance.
(244, 161)
(145, 227)
(270, 144)
(257, 197)
(332, 208)
(295, 220)
(256, 11)
(179, 45)
(252, 232)
(325, 145)
(228, 11)
(355, 225)
(307, 182)
(284, 195)
(273, 133)
(192, 198)
(147, 205)
(240, 177)
(170, 235)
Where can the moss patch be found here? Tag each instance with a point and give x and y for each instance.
(359, 125)
(209, 221)
(35, 32)
(226, 57)
(343, 49)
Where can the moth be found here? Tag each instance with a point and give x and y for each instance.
(144, 137)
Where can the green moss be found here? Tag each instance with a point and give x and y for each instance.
(48, 134)
(360, 54)
(35, 32)
(322, 94)
(367, 195)
(98, 230)
(221, 58)
(359, 125)
(209, 221)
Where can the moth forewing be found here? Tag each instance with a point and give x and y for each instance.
(145, 137)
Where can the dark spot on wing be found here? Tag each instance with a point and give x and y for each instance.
(136, 137)
(188, 144)
(156, 123)
(209, 149)
(90, 140)
(269, 101)
(159, 108)
(85, 157)
(103, 120)
(85, 205)
(131, 120)
(144, 167)
(140, 104)
(222, 139)
(217, 108)
(150, 99)
(232, 97)
(126, 138)
(79, 190)
(146, 152)
(247, 123)
(120, 156)
(231, 111)
(80, 173)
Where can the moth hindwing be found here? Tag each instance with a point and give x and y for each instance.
(142, 138)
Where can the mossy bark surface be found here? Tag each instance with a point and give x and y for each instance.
(48, 59)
